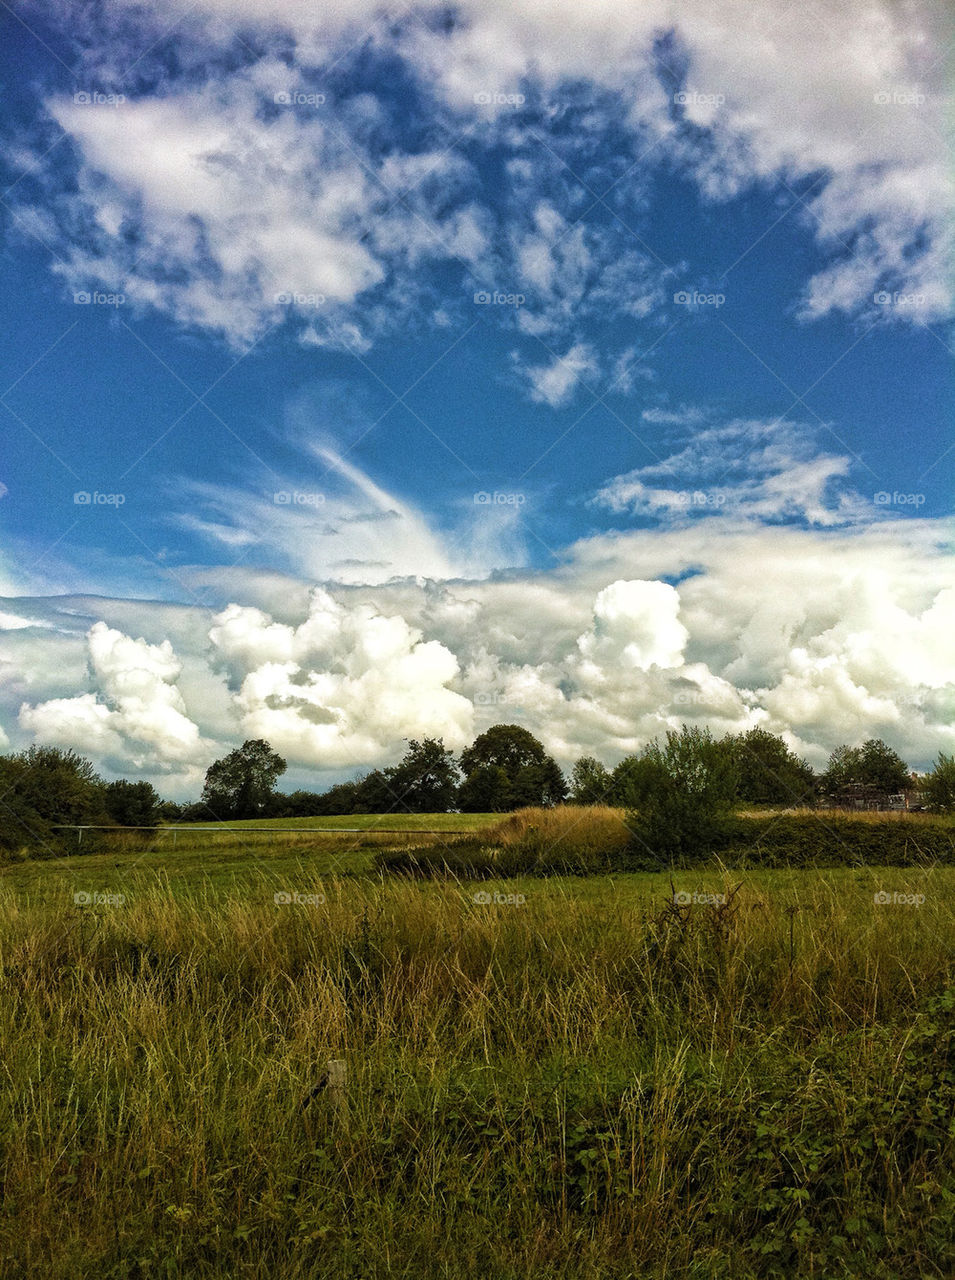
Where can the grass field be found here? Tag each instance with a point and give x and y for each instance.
(543, 1078)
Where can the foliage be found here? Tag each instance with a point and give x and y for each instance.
(240, 785)
(426, 778)
(938, 787)
(873, 765)
(42, 789)
(515, 771)
(132, 804)
(486, 789)
(680, 793)
(769, 773)
(549, 1079)
(591, 782)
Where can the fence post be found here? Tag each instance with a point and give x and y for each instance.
(336, 1083)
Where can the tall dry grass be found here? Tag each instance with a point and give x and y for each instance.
(568, 1085)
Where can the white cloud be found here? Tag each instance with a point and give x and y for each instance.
(741, 470)
(554, 383)
(228, 201)
(137, 714)
(342, 688)
(847, 637)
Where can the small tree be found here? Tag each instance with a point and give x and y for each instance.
(682, 792)
(591, 782)
(883, 768)
(240, 785)
(873, 765)
(132, 804)
(769, 773)
(425, 780)
(938, 787)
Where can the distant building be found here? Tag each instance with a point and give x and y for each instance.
(859, 795)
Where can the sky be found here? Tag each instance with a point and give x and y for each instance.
(382, 372)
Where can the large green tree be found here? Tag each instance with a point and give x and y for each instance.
(43, 790)
(769, 773)
(874, 764)
(533, 777)
(241, 784)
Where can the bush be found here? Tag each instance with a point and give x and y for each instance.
(681, 792)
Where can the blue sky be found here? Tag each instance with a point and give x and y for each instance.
(483, 330)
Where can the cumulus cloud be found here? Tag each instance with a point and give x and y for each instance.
(848, 637)
(342, 688)
(137, 715)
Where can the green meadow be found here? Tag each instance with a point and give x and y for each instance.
(736, 1073)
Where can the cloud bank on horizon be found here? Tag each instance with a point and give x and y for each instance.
(516, 407)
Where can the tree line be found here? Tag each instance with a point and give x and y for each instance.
(505, 768)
